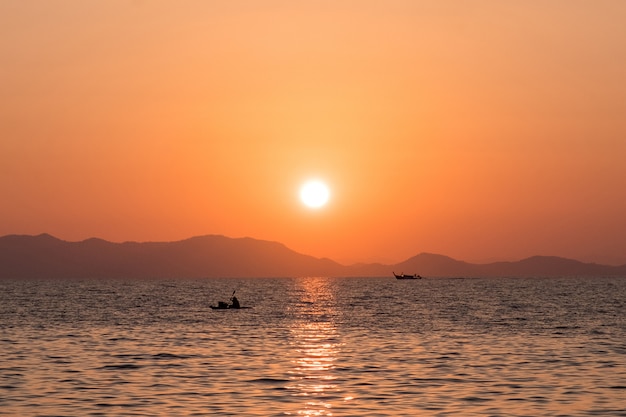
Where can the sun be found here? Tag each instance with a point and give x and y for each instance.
(314, 193)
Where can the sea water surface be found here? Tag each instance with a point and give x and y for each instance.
(314, 347)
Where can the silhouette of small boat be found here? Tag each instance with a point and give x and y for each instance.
(223, 305)
(407, 276)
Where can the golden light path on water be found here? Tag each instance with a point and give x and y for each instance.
(316, 343)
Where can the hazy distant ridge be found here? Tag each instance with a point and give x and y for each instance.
(45, 256)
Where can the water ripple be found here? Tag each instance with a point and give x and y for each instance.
(314, 346)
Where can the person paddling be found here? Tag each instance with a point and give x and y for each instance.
(235, 302)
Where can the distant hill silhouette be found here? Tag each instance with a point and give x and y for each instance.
(44, 256)
(438, 265)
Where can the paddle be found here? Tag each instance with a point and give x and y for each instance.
(234, 301)
(231, 299)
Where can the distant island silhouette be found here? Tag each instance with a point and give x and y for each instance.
(45, 256)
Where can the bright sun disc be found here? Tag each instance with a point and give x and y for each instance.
(314, 194)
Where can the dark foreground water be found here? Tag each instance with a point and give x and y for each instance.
(314, 347)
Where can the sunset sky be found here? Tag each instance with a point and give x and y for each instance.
(482, 130)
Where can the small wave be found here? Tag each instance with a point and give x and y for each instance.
(121, 366)
(71, 381)
(120, 339)
(170, 356)
(269, 380)
(159, 385)
(476, 399)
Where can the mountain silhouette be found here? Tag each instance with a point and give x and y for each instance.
(45, 256)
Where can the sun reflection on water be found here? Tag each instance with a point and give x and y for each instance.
(316, 344)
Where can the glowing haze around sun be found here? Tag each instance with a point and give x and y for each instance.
(314, 194)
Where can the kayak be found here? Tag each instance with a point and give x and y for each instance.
(223, 305)
(227, 308)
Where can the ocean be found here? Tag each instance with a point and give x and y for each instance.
(314, 347)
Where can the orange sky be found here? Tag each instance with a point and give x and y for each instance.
(480, 130)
